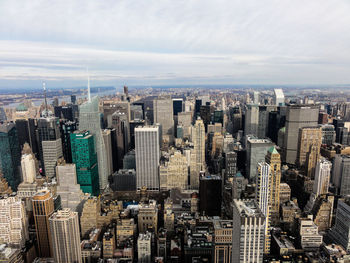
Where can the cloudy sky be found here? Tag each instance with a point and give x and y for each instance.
(154, 42)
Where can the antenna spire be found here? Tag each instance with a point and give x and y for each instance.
(44, 87)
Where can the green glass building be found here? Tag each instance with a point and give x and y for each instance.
(85, 158)
(10, 154)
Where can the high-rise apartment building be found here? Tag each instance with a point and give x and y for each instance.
(309, 145)
(248, 232)
(13, 221)
(85, 158)
(147, 153)
(198, 153)
(163, 114)
(90, 120)
(65, 236)
(43, 208)
(10, 154)
(298, 116)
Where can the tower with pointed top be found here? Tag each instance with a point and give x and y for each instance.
(273, 158)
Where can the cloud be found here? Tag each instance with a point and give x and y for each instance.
(290, 41)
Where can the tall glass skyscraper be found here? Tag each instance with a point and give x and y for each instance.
(90, 120)
(10, 154)
(85, 158)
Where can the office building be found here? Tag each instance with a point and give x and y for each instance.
(144, 246)
(185, 120)
(322, 177)
(65, 236)
(278, 98)
(341, 174)
(66, 128)
(285, 193)
(108, 244)
(68, 188)
(198, 153)
(273, 158)
(310, 140)
(256, 152)
(64, 112)
(230, 164)
(10, 154)
(48, 131)
(147, 154)
(223, 240)
(298, 116)
(163, 114)
(26, 133)
(210, 195)
(177, 106)
(121, 125)
(251, 119)
(174, 172)
(85, 158)
(340, 233)
(43, 208)
(13, 221)
(52, 151)
(328, 134)
(248, 232)
(308, 231)
(28, 166)
(107, 138)
(89, 120)
(124, 180)
(148, 217)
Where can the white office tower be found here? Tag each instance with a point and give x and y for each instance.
(321, 182)
(13, 221)
(262, 197)
(278, 98)
(65, 236)
(340, 233)
(147, 155)
(52, 151)
(68, 188)
(198, 153)
(256, 97)
(28, 168)
(163, 114)
(144, 247)
(251, 119)
(90, 120)
(248, 232)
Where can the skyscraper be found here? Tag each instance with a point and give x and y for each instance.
(10, 154)
(309, 145)
(163, 114)
(147, 153)
(48, 132)
(107, 138)
(85, 158)
(43, 208)
(28, 168)
(298, 116)
(322, 177)
(210, 195)
(263, 199)
(248, 232)
(273, 158)
(278, 98)
(341, 174)
(177, 106)
(251, 120)
(89, 120)
(198, 153)
(65, 236)
(66, 128)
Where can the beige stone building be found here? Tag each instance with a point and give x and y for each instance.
(148, 216)
(174, 173)
(198, 153)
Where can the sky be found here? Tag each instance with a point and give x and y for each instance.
(159, 42)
